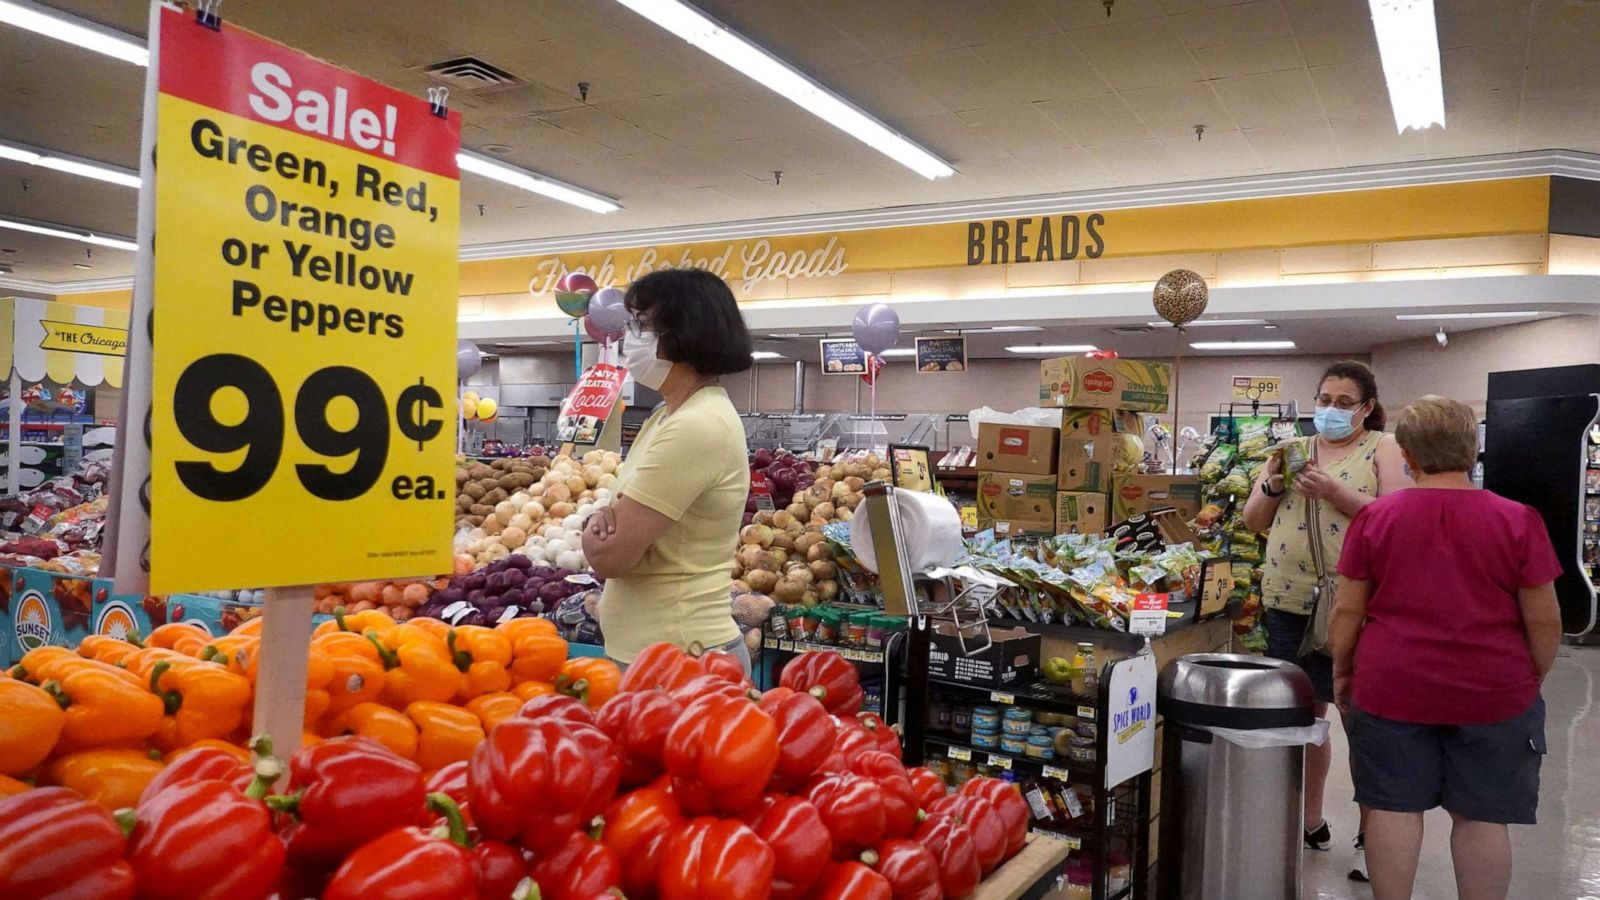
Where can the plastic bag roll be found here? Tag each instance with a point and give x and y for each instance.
(930, 531)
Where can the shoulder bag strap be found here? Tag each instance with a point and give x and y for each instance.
(1314, 525)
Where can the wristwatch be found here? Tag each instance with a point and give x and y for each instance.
(1266, 488)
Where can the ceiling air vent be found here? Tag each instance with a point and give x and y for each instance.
(473, 75)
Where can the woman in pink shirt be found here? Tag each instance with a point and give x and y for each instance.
(1445, 625)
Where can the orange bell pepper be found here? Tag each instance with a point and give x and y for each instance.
(360, 623)
(250, 626)
(228, 747)
(201, 700)
(10, 787)
(357, 669)
(102, 706)
(445, 733)
(236, 652)
(30, 724)
(108, 649)
(528, 690)
(492, 709)
(28, 667)
(418, 664)
(537, 652)
(184, 638)
(484, 657)
(111, 777)
(591, 679)
(379, 723)
(141, 663)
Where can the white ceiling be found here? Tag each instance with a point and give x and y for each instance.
(1022, 96)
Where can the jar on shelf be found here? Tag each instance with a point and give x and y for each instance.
(1040, 746)
(1081, 751)
(961, 719)
(1084, 662)
(986, 719)
(1013, 744)
(939, 716)
(1018, 722)
(985, 740)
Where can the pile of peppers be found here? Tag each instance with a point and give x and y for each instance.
(684, 783)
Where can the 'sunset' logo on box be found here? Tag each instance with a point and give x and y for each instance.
(1099, 382)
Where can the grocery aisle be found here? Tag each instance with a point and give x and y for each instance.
(1558, 858)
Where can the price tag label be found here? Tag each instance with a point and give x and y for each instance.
(1000, 762)
(1002, 698)
(303, 394)
(770, 644)
(1149, 615)
(786, 645)
(1074, 844)
(1258, 388)
(1086, 712)
(960, 753)
(1057, 774)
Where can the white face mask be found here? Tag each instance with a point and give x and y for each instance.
(639, 358)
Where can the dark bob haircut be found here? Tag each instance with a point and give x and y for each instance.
(695, 318)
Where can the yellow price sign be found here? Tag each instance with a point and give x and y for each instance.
(1258, 388)
(304, 302)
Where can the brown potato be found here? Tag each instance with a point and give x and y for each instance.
(474, 489)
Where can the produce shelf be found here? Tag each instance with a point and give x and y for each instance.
(874, 657)
(1037, 692)
(1008, 761)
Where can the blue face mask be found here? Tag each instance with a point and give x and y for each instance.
(1334, 423)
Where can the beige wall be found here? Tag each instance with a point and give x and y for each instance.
(1407, 370)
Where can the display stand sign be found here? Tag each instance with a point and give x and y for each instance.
(1149, 615)
(1258, 388)
(292, 362)
(910, 467)
(942, 354)
(761, 492)
(842, 356)
(586, 410)
(1131, 717)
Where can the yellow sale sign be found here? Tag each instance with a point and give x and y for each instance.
(304, 303)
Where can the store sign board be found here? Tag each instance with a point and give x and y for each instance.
(77, 337)
(586, 410)
(1131, 719)
(1036, 239)
(1258, 388)
(942, 354)
(1149, 615)
(302, 385)
(842, 356)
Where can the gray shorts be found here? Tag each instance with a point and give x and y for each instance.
(1486, 773)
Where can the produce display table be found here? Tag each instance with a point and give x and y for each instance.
(1030, 874)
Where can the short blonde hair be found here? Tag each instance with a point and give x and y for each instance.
(1439, 434)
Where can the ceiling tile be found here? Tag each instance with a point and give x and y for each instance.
(1137, 55)
(1369, 140)
(959, 79)
(1332, 32)
(1269, 98)
(1132, 162)
(881, 91)
(1174, 111)
(1473, 128)
(1091, 121)
(1561, 53)
(1352, 89)
(791, 31)
(1482, 74)
(1229, 60)
(950, 138)
(1022, 130)
(1047, 67)
(1239, 24)
(1303, 145)
(1079, 15)
(1218, 153)
(1549, 123)
(1479, 23)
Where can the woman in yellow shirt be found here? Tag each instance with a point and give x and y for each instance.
(665, 546)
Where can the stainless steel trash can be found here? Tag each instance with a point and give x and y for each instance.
(1232, 818)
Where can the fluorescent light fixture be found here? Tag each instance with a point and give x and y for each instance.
(1054, 348)
(1243, 345)
(58, 231)
(43, 20)
(72, 165)
(534, 182)
(994, 329)
(898, 351)
(741, 54)
(1408, 41)
(1430, 317)
(1202, 323)
(759, 355)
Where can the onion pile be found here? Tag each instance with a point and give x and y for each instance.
(543, 520)
(785, 561)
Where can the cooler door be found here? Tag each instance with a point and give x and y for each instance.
(1536, 452)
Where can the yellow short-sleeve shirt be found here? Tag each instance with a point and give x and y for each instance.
(691, 467)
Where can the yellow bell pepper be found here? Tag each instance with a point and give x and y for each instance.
(418, 664)
(492, 709)
(102, 706)
(379, 723)
(113, 778)
(356, 670)
(360, 623)
(30, 724)
(107, 649)
(201, 700)
(182, 637)
(484, 657)
(445, 733)
(236, 652)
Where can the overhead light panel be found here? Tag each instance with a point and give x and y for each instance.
(750, 60)
(58, 231)
(759, 355)
(79, 32)
(1435, 317)
(1408, 41)
(72, 165)
(1243, 345)
(1054, 348)
(897, 351)
(994, 329)
(534, 182)
(1202, 323)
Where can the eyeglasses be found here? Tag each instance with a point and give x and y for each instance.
(1323, 401)
(637, 326)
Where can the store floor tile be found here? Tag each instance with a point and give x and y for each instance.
(1558, 858)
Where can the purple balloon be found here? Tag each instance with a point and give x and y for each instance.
(468, 359)
(876, 328)
(609, 313)
(594, 333)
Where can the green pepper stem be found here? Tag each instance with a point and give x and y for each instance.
(527, 889)
(284, 803)
(18, 672)
(135, 638)
(172, 700)
(442, 804)
(461, 658)
(390, 658)
(577, 689)
(126, 818)
(869, 858)
(819, 692)
(597, 828)
(53, 688)
(338, 618)
(268, 770)
(209, 653)
(261, 745)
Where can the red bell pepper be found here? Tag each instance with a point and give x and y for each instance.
(835, 675)
(852, 881)
(556, 706)
(638, 722)
(800, 843)
(983, 822)
(721, 753)
(951, 845)
(927, 785)
(806, 735)
(541, 779)
(207, 840)
(579, 868)
(724, 665)
(200, 764)
(344, 792)
(659, 667)
(703, 685)
(887, 738)
(638, 827)
(910, 868)
(409, 864)
(900, 812)
(498, 868)
(716, 859)
(1008, 802)
(451, 781)
(55, 844)
(852, 808)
